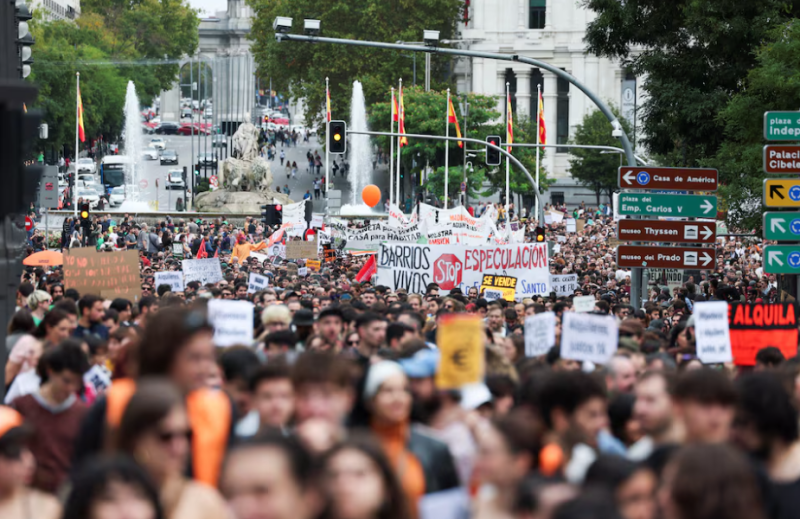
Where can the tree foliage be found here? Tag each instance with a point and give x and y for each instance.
(774, 84)
(301, 68)
(590, 167)
(693, 57)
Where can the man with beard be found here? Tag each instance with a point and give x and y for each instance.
(438, 412)
(656, 415)
(766, 426)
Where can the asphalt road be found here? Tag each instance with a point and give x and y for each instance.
(153, 179)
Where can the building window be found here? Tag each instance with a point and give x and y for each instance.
(537, 80)
(557, 197)
(562, 111)
(511, 79)
(536, 14)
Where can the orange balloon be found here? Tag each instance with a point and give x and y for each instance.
(551, 458)
(371, 195)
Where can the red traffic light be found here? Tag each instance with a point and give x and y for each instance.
(278, 208)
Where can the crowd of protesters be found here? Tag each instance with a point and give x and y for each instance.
(126, 409)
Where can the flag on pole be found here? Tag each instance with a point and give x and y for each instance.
(509, 123)
(201, 252)
(402, 116)
(328, 101)
(542, 127)
(369, 269)
(451, 118)
(216, 253)
(394, 107)
(81, 131)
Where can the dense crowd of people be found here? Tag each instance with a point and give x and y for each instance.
(126, 409)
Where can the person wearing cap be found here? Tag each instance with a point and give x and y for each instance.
(423, 463)
(242, 249)
(17, 500)
(303, 324)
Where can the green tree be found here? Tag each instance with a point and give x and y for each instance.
(697, 54)
(476, 177)
(301, 69)
(590, 167)
(774, 84)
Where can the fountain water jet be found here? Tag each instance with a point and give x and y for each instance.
(360, 153)
(132, 143)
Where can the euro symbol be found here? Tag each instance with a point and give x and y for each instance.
(460, 358)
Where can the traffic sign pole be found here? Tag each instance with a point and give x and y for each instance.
(630, 256)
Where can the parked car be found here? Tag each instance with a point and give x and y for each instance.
(186, 112)
(87, 164)
(219, 141)
(175, 179)
(167, 128)
(169, 157)
(158, 143)
(192, 129)
(117, 196)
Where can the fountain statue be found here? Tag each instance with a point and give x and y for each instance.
(244, 179)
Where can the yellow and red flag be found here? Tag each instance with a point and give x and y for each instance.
(509, 123)
(81, 131)
(394, 107)
(451, 118)
(542, 127)
(328, 102)
(402, 118)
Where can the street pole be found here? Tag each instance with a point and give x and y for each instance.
(508, 168)
(538, 141)
(328, 139)
(466, 119)
(391, 155)
(427, 71)
(399, 142)
(77, 131)
(446, 145)
(191, 121)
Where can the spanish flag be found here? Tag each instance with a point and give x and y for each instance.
(394, 107)
(328, 102)
(81, 131)
(509, 123)
(402, 116)
(542, 128)
(451, 118)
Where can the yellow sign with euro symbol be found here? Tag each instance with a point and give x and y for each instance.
(460, 338)
(782, 192)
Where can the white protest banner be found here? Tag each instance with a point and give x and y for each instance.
(564, 284)
(413, 266)
(172, 278)
(441, 235)
(572, 226)
(712, 332)
(540, 334)
(232, 321)
(548, 218)
(260, 257)
(203, 270)
(256, 282)
(316, 221)
(302, 271)
(396, 217)
(582, 304)
(556, 216)
(275, 250)
(590, 337)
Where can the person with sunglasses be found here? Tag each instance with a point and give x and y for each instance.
(155, 430)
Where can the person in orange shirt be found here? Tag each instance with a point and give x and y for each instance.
(242, 249)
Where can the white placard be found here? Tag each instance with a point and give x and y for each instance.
(492, 295)
(260, 257)
(232, 321)
(590, 337)
(583, 303)
(177, 249)
(712, 332)
(316, 221)
(302, 271)
(540, 334)
(256, 282)
(572, 225)
(564, 284)
(172, 278)
(203, 270)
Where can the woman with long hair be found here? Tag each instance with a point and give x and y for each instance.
(359, 482)
(54, 328)
(155, 431)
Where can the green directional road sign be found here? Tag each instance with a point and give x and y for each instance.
(782, 126)
(782, 226)
(679, 206)
(782, 259)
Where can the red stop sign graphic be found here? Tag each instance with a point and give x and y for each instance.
(447, 271)
(28, 223)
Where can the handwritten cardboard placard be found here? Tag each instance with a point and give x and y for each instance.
(313, 265)
(232, 321)
(172, 278)
(106, 274)
(257, 282)
(301, 249)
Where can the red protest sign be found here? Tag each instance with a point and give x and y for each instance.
(757, 325)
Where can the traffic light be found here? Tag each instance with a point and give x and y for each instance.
(85, 215)
(272, 214)
(24, 39)
(266, 119)
(264, 215)
(493, 154)
(337, 139)
(539, 236)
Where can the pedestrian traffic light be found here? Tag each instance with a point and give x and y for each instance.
(337, 141)
(539, 236)
(493, 154)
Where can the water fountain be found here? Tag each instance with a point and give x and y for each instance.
(133, 146)
(360, 155)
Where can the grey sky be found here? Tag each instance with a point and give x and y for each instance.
(208, 7)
